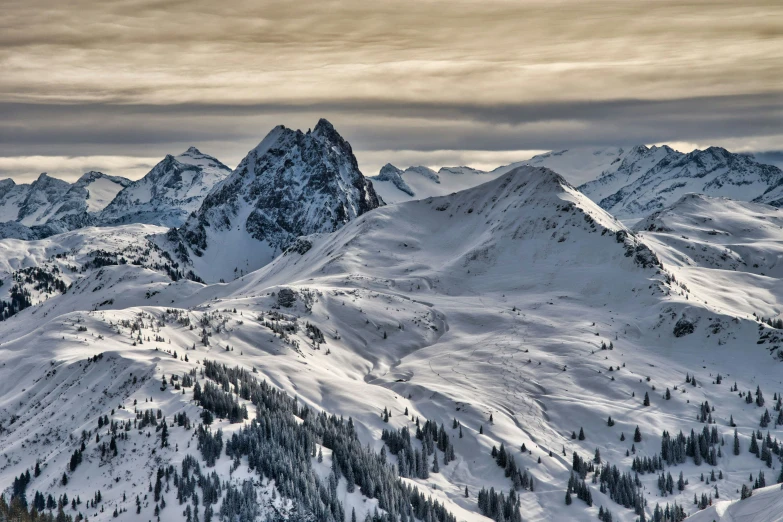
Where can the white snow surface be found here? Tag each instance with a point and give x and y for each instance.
(491, 301)
(102, 190)
(766, 505)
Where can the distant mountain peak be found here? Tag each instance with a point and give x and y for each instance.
(391, 173)
(169, 192)
(46, 178)
(91, 176)
(636, 181)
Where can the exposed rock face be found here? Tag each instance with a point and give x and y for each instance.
(292, 184)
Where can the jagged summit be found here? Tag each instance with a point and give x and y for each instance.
(324, 128)
(291, 184)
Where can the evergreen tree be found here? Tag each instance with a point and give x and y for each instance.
(754, 447)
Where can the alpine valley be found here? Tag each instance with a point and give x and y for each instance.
(581, 335)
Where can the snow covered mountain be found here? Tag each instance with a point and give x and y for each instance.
(637, 181)
(50, 205)
(291, 184)
(169, 193)
(418, 182)
(512, 338)
(11, 198)
(629, 182)
(730, 250)
(42, 200)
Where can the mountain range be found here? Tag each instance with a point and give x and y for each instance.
(292, 340)
(629, 182)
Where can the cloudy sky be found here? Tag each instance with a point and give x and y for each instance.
(115, 85)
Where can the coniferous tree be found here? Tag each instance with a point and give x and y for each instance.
(754, 446)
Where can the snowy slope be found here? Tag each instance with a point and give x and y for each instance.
(766, 505)
(11, 198)
(97, 258)
(171, 191)
(291, 184)
(721, 233)
(101, 189)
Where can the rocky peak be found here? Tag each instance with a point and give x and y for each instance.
(290, 184)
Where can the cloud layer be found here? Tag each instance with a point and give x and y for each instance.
(141, 78)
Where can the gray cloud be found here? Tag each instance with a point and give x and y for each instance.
(429, 80)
